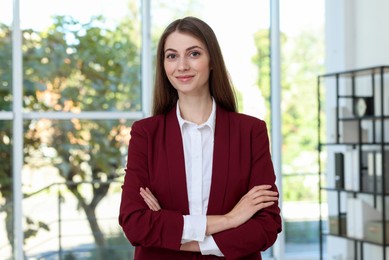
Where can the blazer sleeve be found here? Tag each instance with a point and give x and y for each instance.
(143, 227)
(260, 232)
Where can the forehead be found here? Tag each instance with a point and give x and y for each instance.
(181, 41)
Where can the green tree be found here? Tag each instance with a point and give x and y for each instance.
(301, 62)
(6, 190)
(74, 67)
(262, 61)
(83, 67)
(303, 58)
(5, 128)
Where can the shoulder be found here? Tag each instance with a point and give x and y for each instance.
(148, 124)
(243, 120)
(149, 121)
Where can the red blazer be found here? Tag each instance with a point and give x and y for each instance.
(156, 160)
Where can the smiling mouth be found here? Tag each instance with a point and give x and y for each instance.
(184, 78)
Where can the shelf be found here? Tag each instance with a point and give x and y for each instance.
(352, 96)
(354, 191)
(353, 107)
(358, 72)
(364, 118)
(354, 144)
(357, 239)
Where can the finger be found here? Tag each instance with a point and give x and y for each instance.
(151, 207)
(266, 198)
(267, 194)
(263, 200)
(150, 199)
(261, 197)
(259, 193)
(147, 193)
(151, 194)
(151, 204)
(259, 188)
(265, 205)
(148, 202)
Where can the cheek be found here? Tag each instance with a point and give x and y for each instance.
(204, 66)
(205, 70)
(169, 68)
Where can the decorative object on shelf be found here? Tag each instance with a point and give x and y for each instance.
(374, 232)
(338, 224)
(375, 165)
(364, 106)
(339, 170)
(359, 213)
(351, 166)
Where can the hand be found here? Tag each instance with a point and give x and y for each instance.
(259, 197)
(150, 199)
(153, 204)
(192, 246)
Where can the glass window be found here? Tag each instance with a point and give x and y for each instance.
(81, 56)
(6, 193)
(6, 197)
(5, 55)
(302, 51)
(86, 56)
(72, 182)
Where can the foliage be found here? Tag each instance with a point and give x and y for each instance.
(5, 128)
(74, 67)
(300, 187)
(301, 64)
(78, 67)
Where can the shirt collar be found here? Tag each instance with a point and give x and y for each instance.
(210, 122)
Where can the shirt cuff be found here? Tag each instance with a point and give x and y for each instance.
(194, 228)
(209, 247)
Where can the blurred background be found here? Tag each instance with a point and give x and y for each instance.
(74, 76)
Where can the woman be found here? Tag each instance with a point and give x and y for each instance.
(199, 181)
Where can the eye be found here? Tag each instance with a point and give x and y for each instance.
(171, 56)
(195, 54)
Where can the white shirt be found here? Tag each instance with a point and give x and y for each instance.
(198, 153)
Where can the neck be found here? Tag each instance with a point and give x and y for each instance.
(196, 110)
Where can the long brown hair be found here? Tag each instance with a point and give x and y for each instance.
(165, 95)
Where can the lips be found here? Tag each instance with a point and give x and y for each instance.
(184, 78)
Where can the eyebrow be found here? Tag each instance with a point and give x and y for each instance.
(187, 49)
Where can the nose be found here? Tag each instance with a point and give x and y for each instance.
(183, 64)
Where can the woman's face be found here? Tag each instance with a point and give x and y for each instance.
(186, 63)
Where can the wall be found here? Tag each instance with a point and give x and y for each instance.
(371, 37)
(356, 34)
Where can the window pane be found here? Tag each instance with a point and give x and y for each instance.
(302, 51)
(5, 55)
(65, 229)
(6, 197)
(81, 55)
(72, 178)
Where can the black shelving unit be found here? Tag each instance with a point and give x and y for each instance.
(353, 136)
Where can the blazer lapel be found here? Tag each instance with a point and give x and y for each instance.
(220, 165)
(176, 163)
